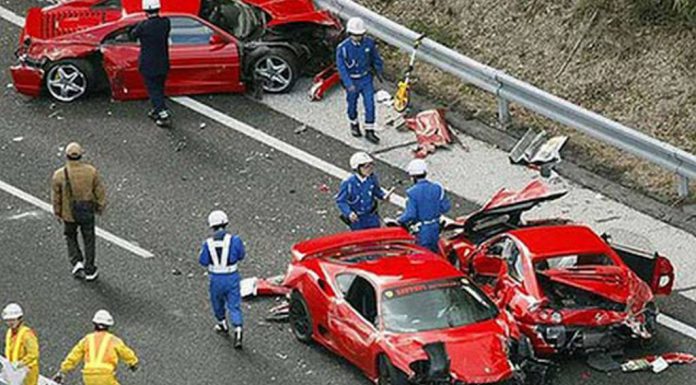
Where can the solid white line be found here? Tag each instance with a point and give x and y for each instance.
(677, 325)
(279, 145)
(107, 236)
(272, 141)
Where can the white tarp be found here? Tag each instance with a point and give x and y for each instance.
(9, 375)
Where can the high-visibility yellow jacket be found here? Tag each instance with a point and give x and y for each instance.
(100, 351)
(22, 346)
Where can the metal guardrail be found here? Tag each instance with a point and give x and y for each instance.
(509, 89)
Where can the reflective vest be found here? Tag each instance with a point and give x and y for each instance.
(13, 347)
(97, 345)
(219, 262)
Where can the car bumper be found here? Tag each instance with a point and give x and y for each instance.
(27, 79)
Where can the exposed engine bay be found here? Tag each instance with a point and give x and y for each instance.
(563, 296)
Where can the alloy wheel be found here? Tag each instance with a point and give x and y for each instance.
(66, 82)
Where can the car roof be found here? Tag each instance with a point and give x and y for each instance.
(551, 241)
(405, 270)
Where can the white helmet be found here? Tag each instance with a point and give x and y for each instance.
(358, 159)
(12, 312)
(151, 5)
(417, 167)
(103, 317)
(217, 218)
(356, 26)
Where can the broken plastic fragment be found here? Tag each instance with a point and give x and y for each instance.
(18, 139)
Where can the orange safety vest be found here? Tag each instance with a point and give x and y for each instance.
(97, 346)
(13, 346)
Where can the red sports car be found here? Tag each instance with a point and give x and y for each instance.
(568, 288)
(399, 312)
(79, 46)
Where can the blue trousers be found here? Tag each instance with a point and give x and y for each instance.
(367, 221)
(224, 290)
(155, 90)
(364, 87)
(428, 235)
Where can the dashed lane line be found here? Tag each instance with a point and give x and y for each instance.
(107, 236)
(309, 159)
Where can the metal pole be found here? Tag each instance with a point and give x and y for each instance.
(682, 186)
(503, 112)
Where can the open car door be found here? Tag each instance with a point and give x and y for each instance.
(656, 270)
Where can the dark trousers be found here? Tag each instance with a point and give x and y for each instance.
(88, 238)
(155, 89)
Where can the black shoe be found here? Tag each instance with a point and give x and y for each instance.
(163, 119)
(221, 327)
(152, 114)
(355, 130)
(92, 276)
(78, 270)
(371, 136)
(238, 337)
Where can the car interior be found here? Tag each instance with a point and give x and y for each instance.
(360, 294)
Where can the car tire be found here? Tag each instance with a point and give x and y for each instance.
(69, 80)
(388, 374)
(276, 70)
(300, 318)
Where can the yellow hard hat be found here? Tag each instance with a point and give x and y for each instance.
(74, 150)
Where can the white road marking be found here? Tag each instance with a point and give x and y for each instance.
(33, 214)
(288, 149)
(107, 236)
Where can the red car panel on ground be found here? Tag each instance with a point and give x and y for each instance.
(358, 290)
(568, 288)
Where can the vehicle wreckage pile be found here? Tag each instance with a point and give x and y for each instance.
(502, 299)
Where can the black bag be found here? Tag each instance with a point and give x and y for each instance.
(82, 211)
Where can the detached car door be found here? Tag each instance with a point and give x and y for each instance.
(202, 59)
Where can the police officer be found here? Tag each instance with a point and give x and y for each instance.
(100, 351)
(426, 202)
(21, 343)
(153, 63)
(356, 197)
(221, 254)
(356, 58)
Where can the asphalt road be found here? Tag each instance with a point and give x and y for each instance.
(162, 184)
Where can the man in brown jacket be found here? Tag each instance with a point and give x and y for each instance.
(77, 194)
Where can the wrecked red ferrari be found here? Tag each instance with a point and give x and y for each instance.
(399, 312)
(216, 46)
(569, 289)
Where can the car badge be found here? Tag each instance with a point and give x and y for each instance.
(389, 294)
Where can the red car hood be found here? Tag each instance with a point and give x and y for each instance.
(611, 282)
(477, 352)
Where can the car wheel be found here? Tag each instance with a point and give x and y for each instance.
(276, 70)
(69, 80)
(388, 374)
(300, 318)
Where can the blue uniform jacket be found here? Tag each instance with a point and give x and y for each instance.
(356, 196)
(236, 254)
(426, 202)
(153, 34)
(357, 59)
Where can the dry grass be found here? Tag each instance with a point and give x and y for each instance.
(601, 54)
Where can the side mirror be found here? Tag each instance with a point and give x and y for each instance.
(217, 39)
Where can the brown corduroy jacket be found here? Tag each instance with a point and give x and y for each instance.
(86, 186)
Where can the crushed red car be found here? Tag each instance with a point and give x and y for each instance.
(399, 312)
(569, 289)
(216, 46)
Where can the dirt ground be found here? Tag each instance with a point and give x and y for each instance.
(590, 52)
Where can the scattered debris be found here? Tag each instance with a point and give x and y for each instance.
(657, 363)
(431, 130)
(301, 129)
(189, 275)
(109, 113)
(536, 152)
(202, 126)
(9, 85)
(176, 272)
(180, 145)
(279, 313)
(18, 139)
(608, 219)
(54, 114)
(322, 212)
(282, 356)
(324, 188)
(52, 106)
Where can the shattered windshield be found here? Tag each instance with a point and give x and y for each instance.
(435, 305)
(234, 16)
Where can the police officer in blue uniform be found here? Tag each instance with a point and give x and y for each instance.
(356, 59)
(153, 62)
(356, 199)
(426, 202)
(221, 254)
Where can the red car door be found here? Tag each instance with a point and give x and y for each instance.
(120, 59)
(202, 59)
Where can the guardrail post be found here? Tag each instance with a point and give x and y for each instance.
(682, 186)
(503, 112)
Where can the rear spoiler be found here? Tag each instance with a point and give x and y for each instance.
(314, 247)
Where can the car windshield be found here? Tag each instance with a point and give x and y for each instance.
(435, 305)
(573, 261)
(234, 16)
